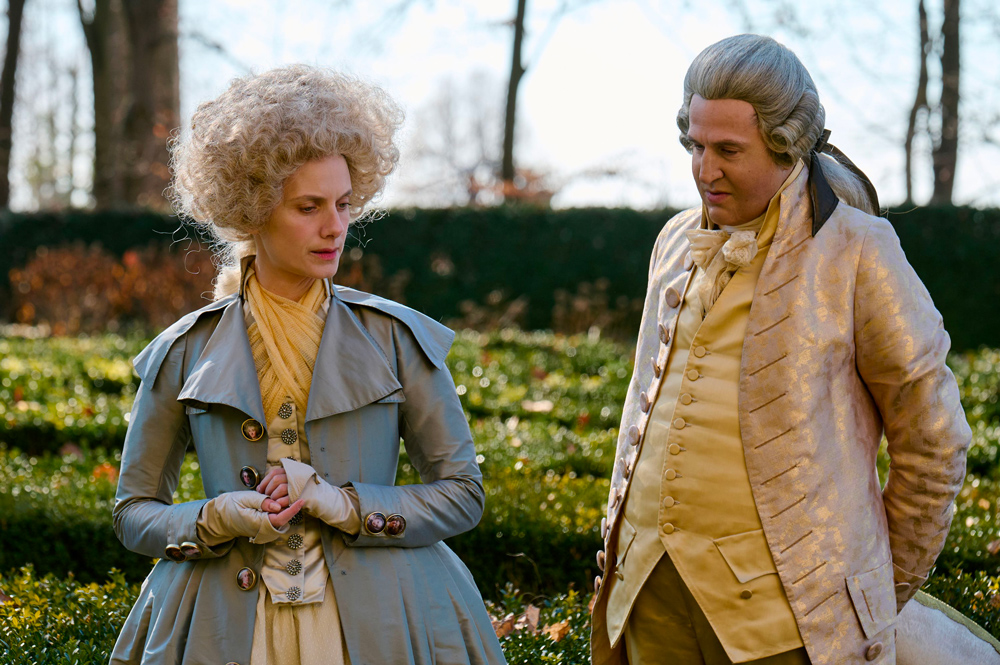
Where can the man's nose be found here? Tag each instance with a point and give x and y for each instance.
(708, 169)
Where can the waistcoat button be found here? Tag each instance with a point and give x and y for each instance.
(668, 502)
(674, 449)
(668, 528)
(700, 351)
(670, 474)
(672, 298)
(686, 399)
(874, 651)
(692, 374)
(746, 594)
(679, 423)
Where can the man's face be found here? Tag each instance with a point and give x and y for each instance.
(732, 167)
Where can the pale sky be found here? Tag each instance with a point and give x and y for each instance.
(604, 81)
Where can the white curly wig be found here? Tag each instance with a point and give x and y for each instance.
(767, 75)
(230, 169)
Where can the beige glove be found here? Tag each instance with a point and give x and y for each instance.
(336, 506)
(235, 514)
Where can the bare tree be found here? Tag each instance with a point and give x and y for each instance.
(946, 149)
(15, 12)
(516, 72)
(920, 102)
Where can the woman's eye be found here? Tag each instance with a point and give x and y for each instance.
(343, 205)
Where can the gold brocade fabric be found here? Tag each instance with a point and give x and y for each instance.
(691, 495)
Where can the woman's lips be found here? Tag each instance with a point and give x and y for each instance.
(326, 254)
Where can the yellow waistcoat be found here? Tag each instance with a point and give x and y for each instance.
(691, 495)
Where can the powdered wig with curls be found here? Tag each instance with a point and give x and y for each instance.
(230, 169)
(760, 71)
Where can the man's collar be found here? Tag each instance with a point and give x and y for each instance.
(824, 201)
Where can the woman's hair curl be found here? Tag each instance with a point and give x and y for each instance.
(230, 168)
(760, 71)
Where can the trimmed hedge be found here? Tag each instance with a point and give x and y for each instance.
(570, 268)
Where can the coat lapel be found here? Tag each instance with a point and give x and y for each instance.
(351, 370)
(225, 372)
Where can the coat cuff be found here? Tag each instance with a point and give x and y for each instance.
(906, 585)
(381, 520)
(331, 504)
(184, 537)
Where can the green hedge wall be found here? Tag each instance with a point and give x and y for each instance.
(436, 259)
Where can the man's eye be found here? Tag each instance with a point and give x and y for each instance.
(307, 209)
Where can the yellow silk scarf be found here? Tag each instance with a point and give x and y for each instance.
(284, 338)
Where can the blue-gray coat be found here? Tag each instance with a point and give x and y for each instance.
(380, 375)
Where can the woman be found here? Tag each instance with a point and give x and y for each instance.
(295, 394)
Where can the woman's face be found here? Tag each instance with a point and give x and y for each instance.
(304, 237)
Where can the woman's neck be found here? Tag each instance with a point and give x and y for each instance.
(281, 283)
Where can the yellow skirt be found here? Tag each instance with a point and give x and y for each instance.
(298, 634)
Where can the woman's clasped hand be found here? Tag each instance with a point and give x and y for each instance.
(274, 487)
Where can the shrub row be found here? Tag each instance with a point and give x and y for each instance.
(565, 270)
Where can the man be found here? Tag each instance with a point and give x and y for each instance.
(783, 333)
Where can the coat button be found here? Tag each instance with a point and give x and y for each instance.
(285, 411)
(700, 351)
(600, 560)
(626, 469)
(672, 298)
(375, 523)
(874, 651)
(597, 584)
(668, 528)
(679, 423)
(246, 579)
(293, 593)
(746, 594)
(289, 436)
(395, 525)
(686, 399)
(664, 333)
(616, 498)
(249, 476)
(252, 430)
(656, 368)
(693, 375)
(688, 260)
(293, 567)
(294, 541)
(633, 435)
(644, 401)
(674, 449)
(669, 474)
(173, 552)
(191, 550)
(604, 528)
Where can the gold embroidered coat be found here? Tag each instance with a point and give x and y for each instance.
(843, 343)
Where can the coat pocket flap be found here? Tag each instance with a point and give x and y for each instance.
(747, 555)
(874, 599)
(626, 534)
(194, 409)
(393, 398)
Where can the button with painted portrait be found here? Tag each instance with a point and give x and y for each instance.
(395, 525)
(252, 430)
(173, 552)
(249, 476)
(246, 579)
(191, 550)
(375, 523)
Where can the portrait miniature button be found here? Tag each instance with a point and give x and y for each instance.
(604, 528)
(395, 525)
(600, 560)
(670, 474)
(672, 298)
(246, 579)
(294, 541)
(191, 550)
(746, 594)
(644, 401)
(679, 423)
(656, 368)
(668, 528)
(293, 567)
(597, 584)
(252, 430)
(674, 449)
(700, 351)
(249, 476)
(633, 435)
(874, 651)
(375, 523)
(285, 411)
(664, 333)
(688, 260)
(173, 552)
(668, 502)
(293, 593)
(686, 399)
(289, 436)
(692, 374)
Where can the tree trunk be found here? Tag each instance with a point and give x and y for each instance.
(15, 11)
(105, 35)
(516, 72)
(946, 150)
(920, 103)
(154, 100)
